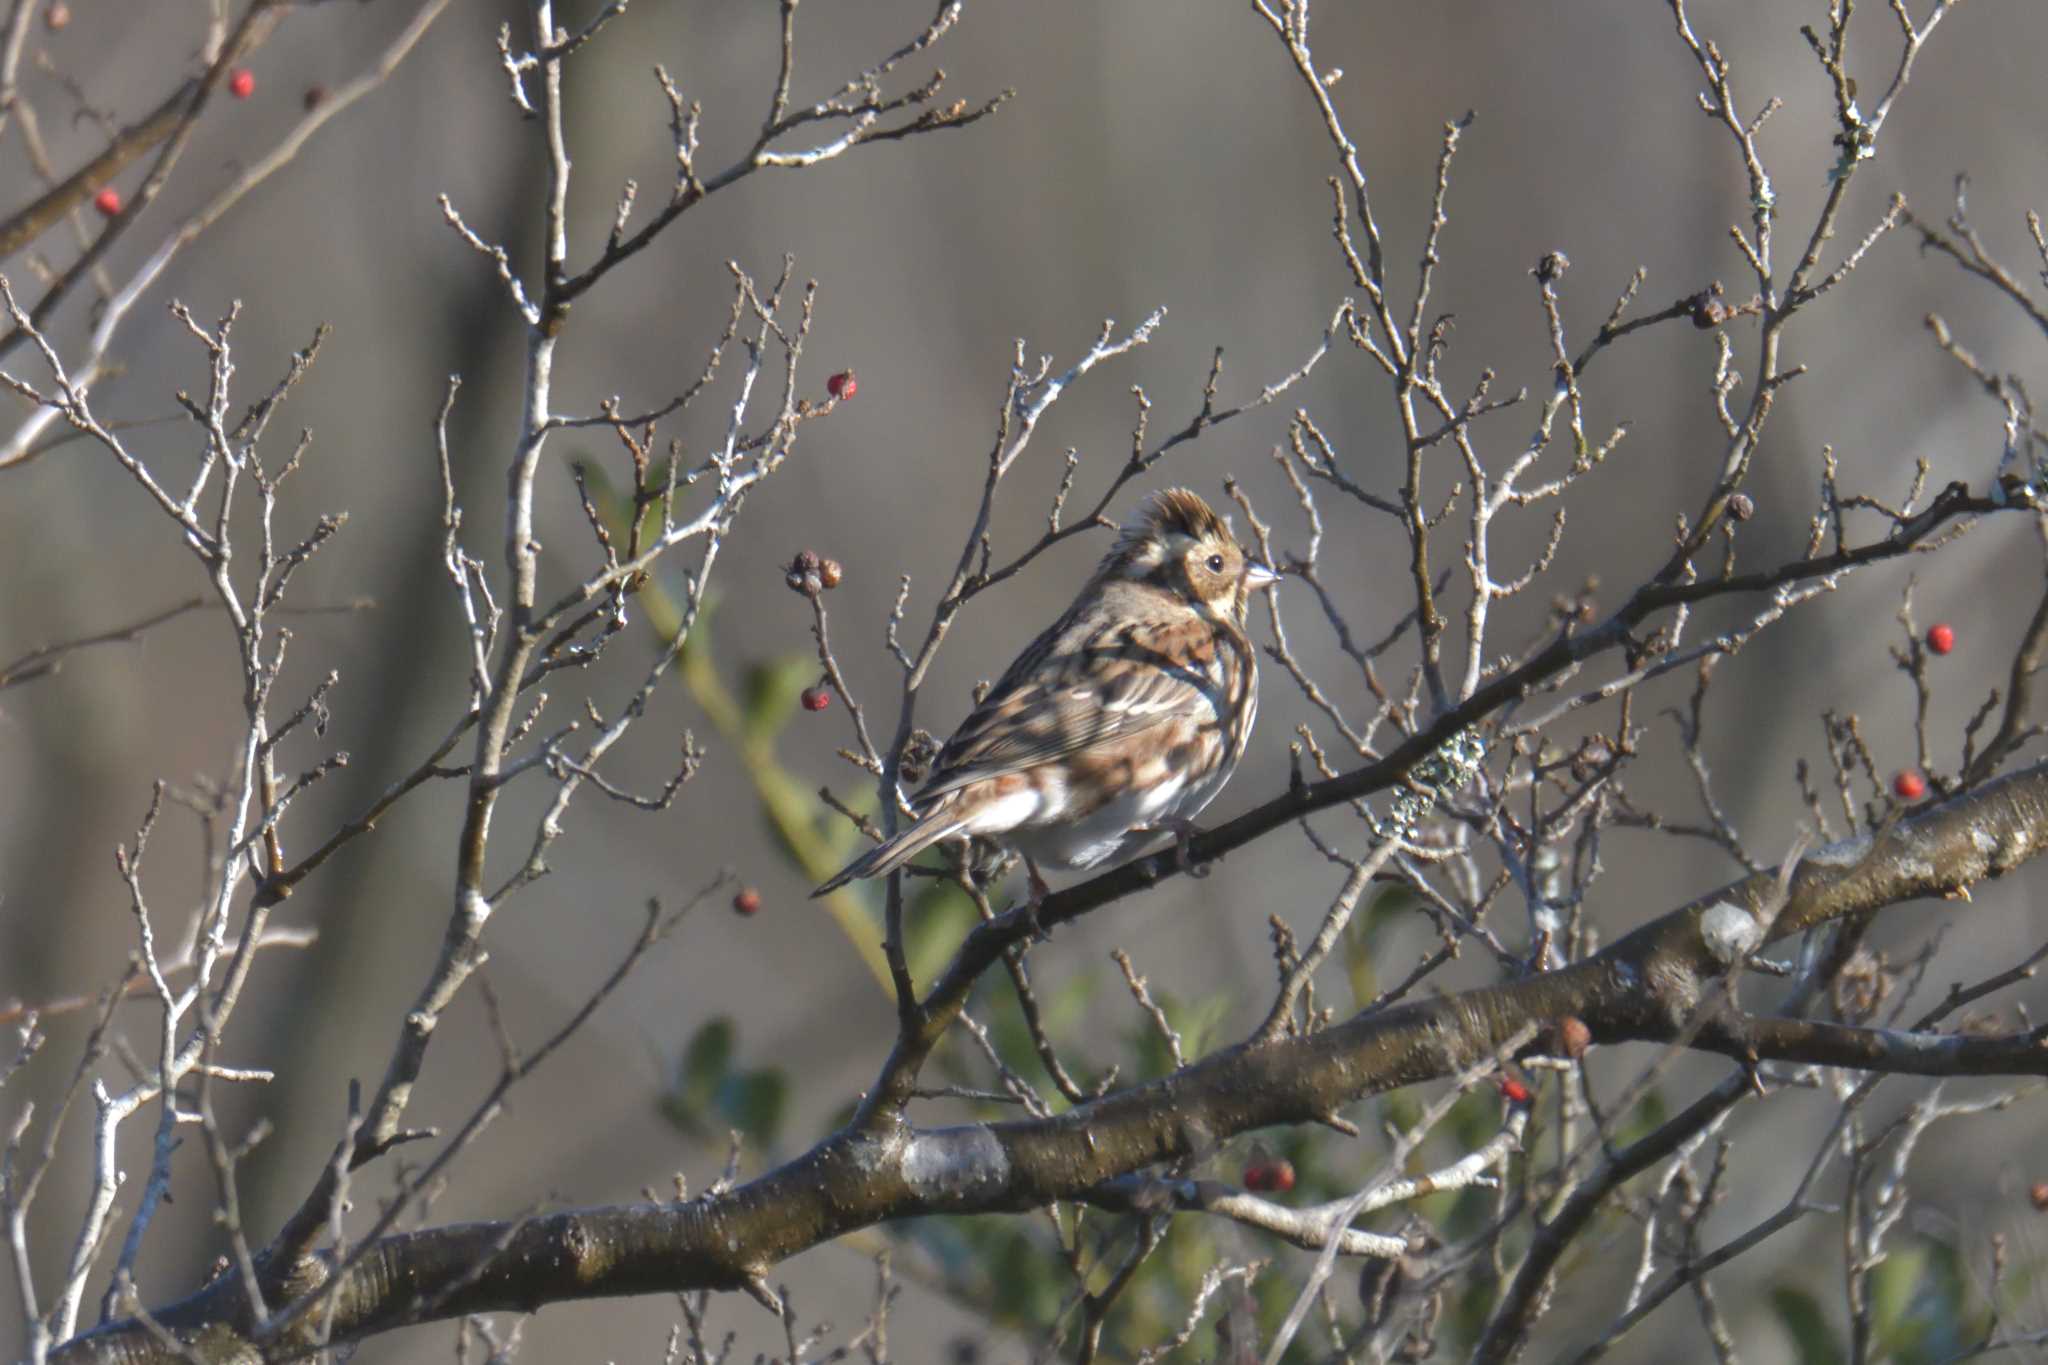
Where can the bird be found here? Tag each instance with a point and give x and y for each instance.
(1117, 724)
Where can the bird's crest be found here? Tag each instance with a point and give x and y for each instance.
(1168, 513)
(1182, 510)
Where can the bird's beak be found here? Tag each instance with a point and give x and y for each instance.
(1257, 575)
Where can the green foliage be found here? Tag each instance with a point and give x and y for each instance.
(1004, 1266)
(1922, 1308)
(710, 1095)
(1920, 1302)
(1385, 907)
(1400, 1109)
(936, 916)
(1649, 1114)
(1061, 1008)
(769, 692)
(1198, 1022)
(1814, 1339)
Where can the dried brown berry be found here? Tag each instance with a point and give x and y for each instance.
(57, 16)
(314, 97)
(805, 574)
(1573, 1037)
(1860, 986)
(1741, 507)
(919, 751)
(830, 572)
(1707, 308)
(2037, 1195)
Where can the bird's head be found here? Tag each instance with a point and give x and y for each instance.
(1177, 542)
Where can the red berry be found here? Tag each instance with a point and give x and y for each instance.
(1909, 785)
(1941, 638)
(816, 698)
(2037, 1195)
(747, 902)
(1270, 1177)
(241, 82)
(1513, 1091)
(842, 385)
(107, 201)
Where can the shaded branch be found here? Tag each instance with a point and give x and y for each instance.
(1645, 987)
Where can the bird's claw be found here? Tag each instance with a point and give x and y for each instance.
(1183, 831)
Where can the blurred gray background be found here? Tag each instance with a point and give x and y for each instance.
(1159, 152)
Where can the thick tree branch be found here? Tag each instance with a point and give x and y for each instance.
(1648, 986)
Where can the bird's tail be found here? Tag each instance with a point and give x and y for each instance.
(894, 852)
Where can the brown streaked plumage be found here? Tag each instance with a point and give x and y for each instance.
(1120, 722)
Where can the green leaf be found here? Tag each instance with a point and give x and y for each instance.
(994, 1262)
(1389, 901)
(1922, 1305)
(1401, 1109)
(1358, 964)
(610, 507)
(1813, 1337)
(707, 1058)
(768, 696)
(1475, 1118)
(1199, 1022)
(754, 1102)
(1648, 1115)
(706, 1061)
(1384, 905)
(1892, 1284)
(709, 1096)
(1069, 1001)
(936, 917)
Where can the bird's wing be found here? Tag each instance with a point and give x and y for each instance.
(1083, 684)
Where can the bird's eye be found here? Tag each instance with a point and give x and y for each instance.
(1215, 563)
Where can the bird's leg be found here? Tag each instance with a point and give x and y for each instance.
(1038, 891)
(1184, 831)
